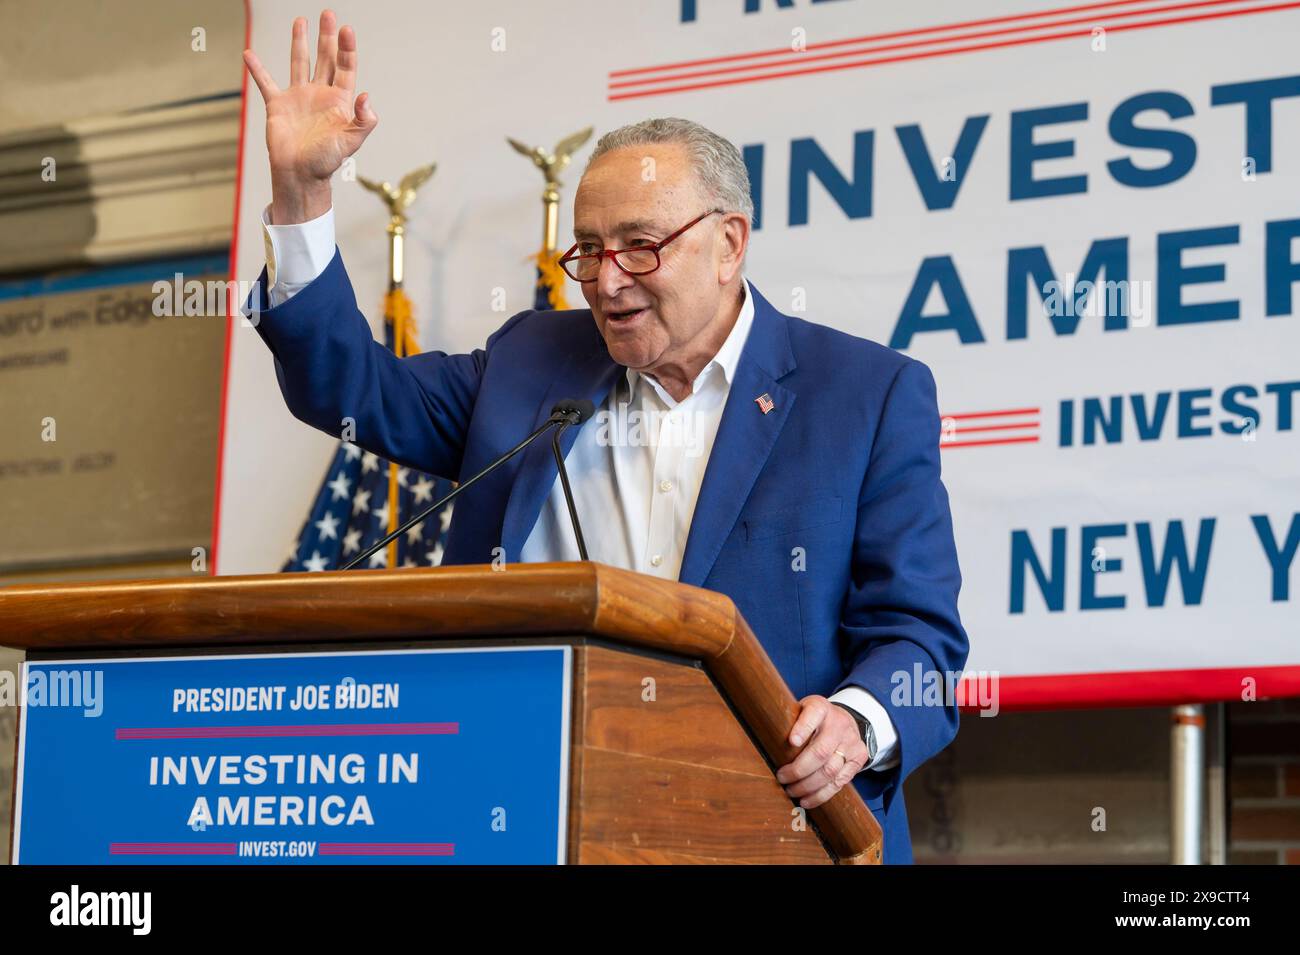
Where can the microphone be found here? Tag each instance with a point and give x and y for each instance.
(569, 411)
(573, 412)
(579, 407)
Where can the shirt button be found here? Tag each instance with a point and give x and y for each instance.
(665, 486)
(656, 560)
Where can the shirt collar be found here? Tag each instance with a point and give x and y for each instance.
(727, 358)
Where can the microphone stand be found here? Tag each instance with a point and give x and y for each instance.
(563, 414)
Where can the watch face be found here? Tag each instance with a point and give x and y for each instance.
(871, 741)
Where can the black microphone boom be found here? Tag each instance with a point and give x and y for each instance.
(575, 412)
(568, 412)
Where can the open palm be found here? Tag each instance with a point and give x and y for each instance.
(313, 125)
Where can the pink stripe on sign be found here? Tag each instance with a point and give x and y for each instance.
(171, 848)
(264, 732)
(387, 848)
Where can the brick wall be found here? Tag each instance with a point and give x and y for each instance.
(1264, 774)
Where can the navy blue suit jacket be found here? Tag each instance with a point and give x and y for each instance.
(845, 467)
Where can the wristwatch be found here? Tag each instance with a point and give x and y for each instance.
(864, 727)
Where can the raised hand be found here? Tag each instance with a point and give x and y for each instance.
(313, 125)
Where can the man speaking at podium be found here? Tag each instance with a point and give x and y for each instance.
(791, 467)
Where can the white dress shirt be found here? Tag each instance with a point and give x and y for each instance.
(642, 457)
(638, 463)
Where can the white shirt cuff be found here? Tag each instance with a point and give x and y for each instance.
(858, 699)
(296, 254)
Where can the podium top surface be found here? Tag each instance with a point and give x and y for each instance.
(442, 602)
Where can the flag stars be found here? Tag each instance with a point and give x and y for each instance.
(316, 562)
(328, 527)
(340, 486)
(422, 490)
(338, 529)
(361, 503)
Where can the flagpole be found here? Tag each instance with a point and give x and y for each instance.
(549, 277)
(397, 307)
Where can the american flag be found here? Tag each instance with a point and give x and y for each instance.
(548, 291)
(353, 508)
(352, 512)
(765, 403)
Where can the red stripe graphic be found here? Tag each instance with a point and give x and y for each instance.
(992, 414)
(953, 435)
(786, 51)
(790, 57)
(265, 732)
(387, 848)
(615, 92)
(948, 445)
(171, 848)
(993, 427)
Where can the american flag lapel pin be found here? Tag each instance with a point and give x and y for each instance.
(764, 402)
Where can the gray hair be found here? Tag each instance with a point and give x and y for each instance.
(717, 163)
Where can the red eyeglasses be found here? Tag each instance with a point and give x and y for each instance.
(639, 260)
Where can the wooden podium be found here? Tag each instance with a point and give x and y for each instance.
(686, 778)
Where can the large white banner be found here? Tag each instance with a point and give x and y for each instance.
(1085, 219)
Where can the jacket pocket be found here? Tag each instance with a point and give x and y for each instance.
(805, 515)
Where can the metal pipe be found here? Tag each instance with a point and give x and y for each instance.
(1187, 778)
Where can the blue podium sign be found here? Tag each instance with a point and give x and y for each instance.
(392, 756)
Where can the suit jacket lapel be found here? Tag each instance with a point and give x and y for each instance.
(744, 441)
(589, 375)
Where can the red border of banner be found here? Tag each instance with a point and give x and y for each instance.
(1042, 692)
(1144, 688)
(231, 307)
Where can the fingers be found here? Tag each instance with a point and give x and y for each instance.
(848, 768)
(829, 777)
(363, 122)
(365, 117)
(818, 764)
(822, 795)
(830, 759)
(299, 61)
(260, 76)
(345, 73)
(810, 717)
(326, 48)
